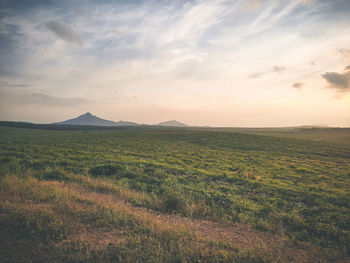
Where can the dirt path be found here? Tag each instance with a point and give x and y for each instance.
(241, 236)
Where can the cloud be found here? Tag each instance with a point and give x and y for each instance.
(298, 85)
(344, 52)
(7, 84)
(339, 7)
(10, 49)
(40, 98)
(336, 80)
(339, 81)
(22, 97)
(273, 14)
(256, 75)
(252, 5)
(64, 32)
(278, 69)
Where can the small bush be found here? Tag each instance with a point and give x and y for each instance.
(54, 174)
(106, 170)
(36, 165)
(174, 202)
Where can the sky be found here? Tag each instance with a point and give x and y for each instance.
(252, 63)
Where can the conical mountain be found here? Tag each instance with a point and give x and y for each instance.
(92, 120)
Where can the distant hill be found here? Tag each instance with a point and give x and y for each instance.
(318, 126)
(172, 123)
(92, 120)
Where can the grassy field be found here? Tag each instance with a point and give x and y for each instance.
(174, 195)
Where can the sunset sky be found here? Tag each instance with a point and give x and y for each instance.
(219, 63)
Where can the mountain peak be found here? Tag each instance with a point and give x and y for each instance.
(172, 123)
(92, 120)
(88, 114)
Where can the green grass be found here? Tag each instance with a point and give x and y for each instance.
(53, 218)
(296, 187)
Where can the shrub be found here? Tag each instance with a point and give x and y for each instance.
(106, 170)
(174, 202)
(54, 174)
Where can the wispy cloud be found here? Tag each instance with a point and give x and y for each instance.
(273, 14)
(278, 69)
(64, 32)
(22, 97)
(256, 75)
(344, 52)
(259, 74)
(16, 85)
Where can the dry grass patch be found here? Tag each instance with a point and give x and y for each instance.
(82, 222)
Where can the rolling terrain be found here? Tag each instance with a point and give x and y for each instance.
(145, 194)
